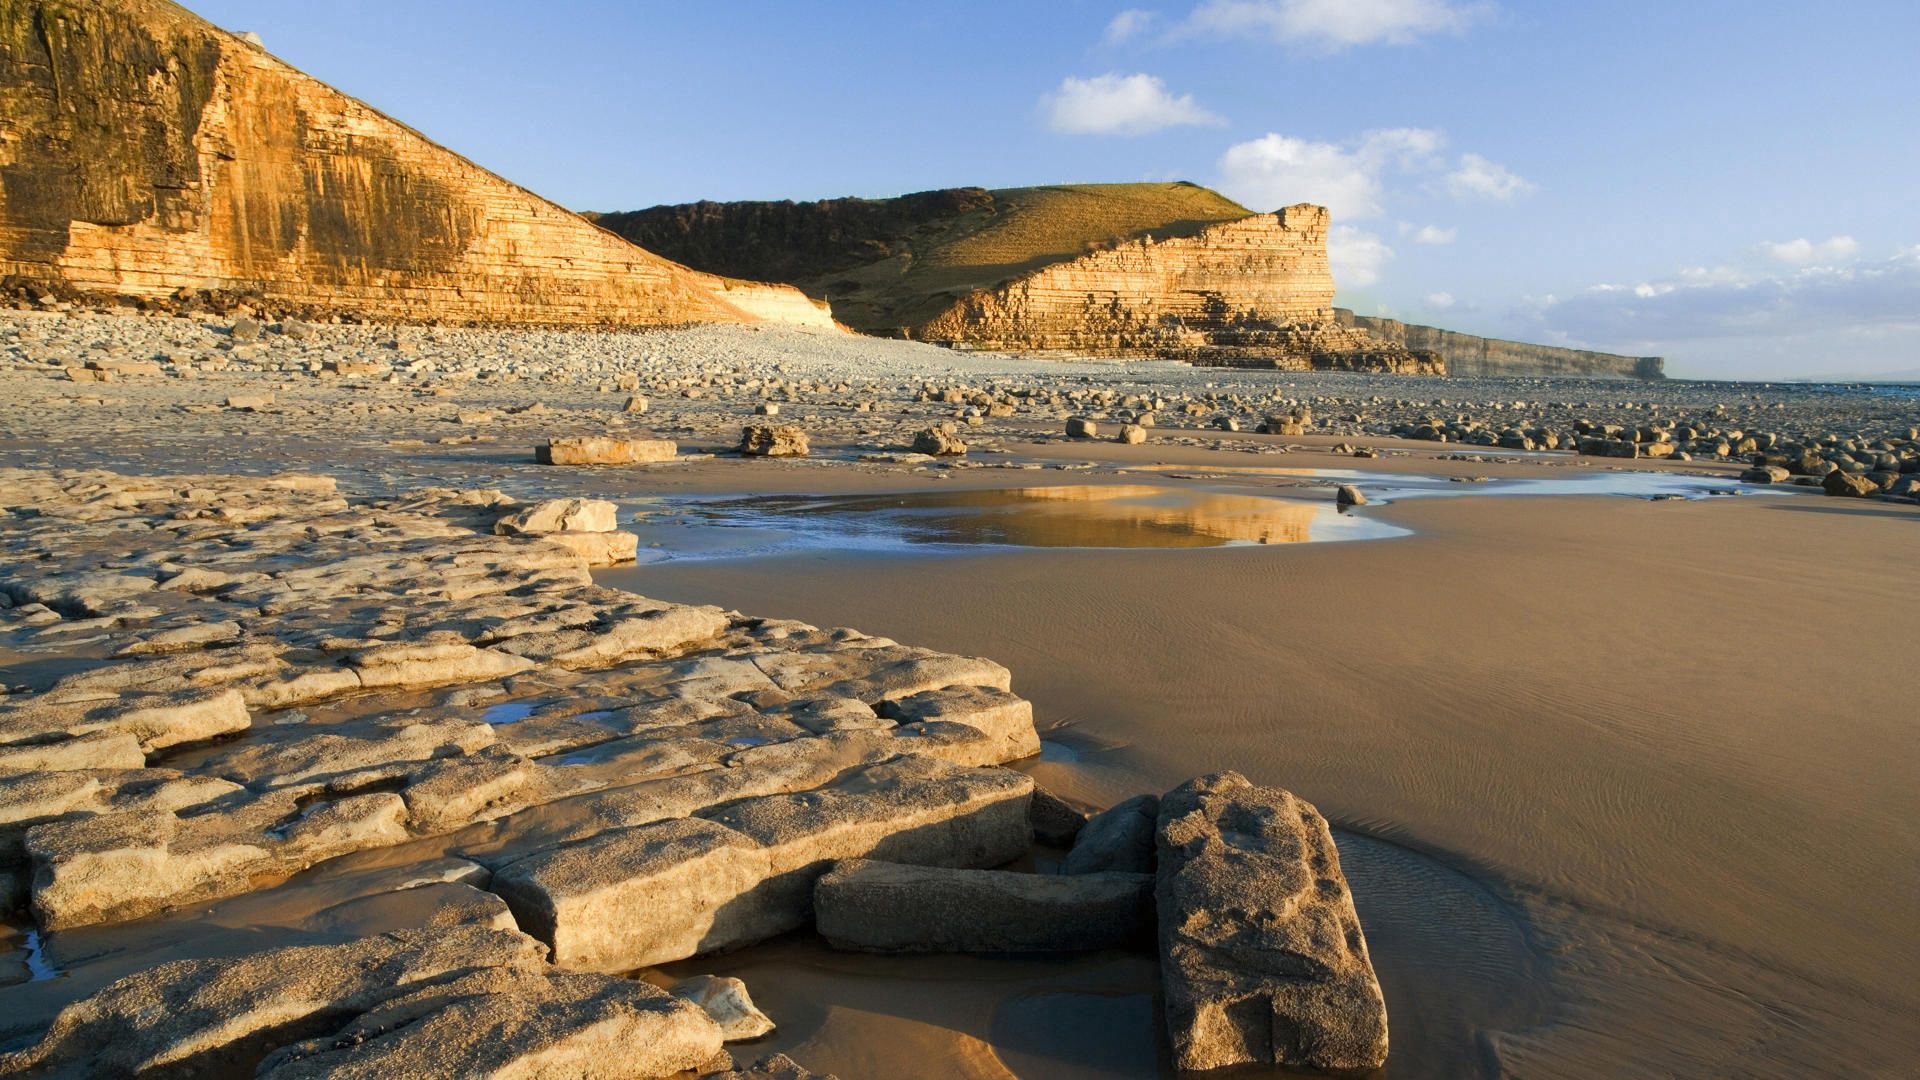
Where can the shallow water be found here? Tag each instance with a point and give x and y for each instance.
(1093, 515)
(1056, 516)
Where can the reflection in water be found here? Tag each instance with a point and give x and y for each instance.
(1062, 516)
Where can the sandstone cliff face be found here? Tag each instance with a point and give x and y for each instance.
(1147, 295)
(143, 151)
(1466, 354)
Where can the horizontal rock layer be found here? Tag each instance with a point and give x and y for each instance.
(144, 151)
(1465, 354)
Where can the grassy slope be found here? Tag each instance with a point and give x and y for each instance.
(1027, 228)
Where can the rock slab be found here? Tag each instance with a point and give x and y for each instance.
(1263, 961)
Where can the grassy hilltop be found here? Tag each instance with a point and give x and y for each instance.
(890, 263)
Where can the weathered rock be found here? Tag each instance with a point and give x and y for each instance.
(1262, 958)
(1006, 720)
(598, 450)
(940, 441)
(1120, 838)
(782, 440)
(727, 1002)
(598, 548)
(1765, 474)
(199, 1016)
(1848, 485)
(1348, 495)
(1132, 434)
(774, 1067)
(512, 1023)
(560, 515)
(874, 906)
(1056, 822)
(1079, 427)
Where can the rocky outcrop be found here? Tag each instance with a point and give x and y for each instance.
(1465, 354)
(146, 154)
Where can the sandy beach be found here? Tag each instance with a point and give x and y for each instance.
(1622, 785)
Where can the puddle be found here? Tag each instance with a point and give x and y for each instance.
(508, 712)
(1062, 516)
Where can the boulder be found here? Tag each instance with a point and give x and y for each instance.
(783, 440)
(1055, 821)
(727, 1002)
(940, 441)
(600, 450)
(635, 404)
(1348, 495)
(1765, 474)
(1120, 838)
(1079, 427)
(1132, 434)
(870, 906)
(1848, 485)
(1262, 958)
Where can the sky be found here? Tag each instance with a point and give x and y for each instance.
(1732, 185)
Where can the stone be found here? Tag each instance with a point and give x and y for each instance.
(1765, 474)
(600, 450)
(1006, 720)
(249, 402)
(773, 1067)
(1348, 495)
(598, 548)
(1848, 485)
(872, 906)
(635, 404)
(783, 440)
(938, 441)
(560, 515)
(727, 1002)
(508, 1023)
(1131, 434)
(1056, 822)
(1119, 838)
(1079, 427)
(629, 898)
(1263, 961)
(190, 1016)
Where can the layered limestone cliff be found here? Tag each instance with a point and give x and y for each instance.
(1466, 354)
(145, 153)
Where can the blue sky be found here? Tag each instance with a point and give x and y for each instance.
(1732, 185)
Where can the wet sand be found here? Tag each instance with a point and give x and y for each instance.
(1625, 787)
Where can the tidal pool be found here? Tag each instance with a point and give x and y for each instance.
(1068, 515)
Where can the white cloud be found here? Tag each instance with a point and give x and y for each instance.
(1120, 105)
(1277, 170)
(1727, 303)
(1332, 24)
(1128, 25)
(1357, 256)
(1476, 177)
(1428, 234)
(1440, 300)
(1803, 252)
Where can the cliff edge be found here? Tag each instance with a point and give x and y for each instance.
(147, 154)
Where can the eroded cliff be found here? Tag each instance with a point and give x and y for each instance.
(1466, 354)
(144, 152)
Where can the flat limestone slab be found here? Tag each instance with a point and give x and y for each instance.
(633, 897)
(1262, 958)
(220, 1016)
(885, 907)
(599, 450)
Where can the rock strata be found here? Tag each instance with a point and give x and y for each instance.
(1262, 958)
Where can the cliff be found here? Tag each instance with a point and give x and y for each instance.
(1466, 354)
(144, 152)
(889, 265)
